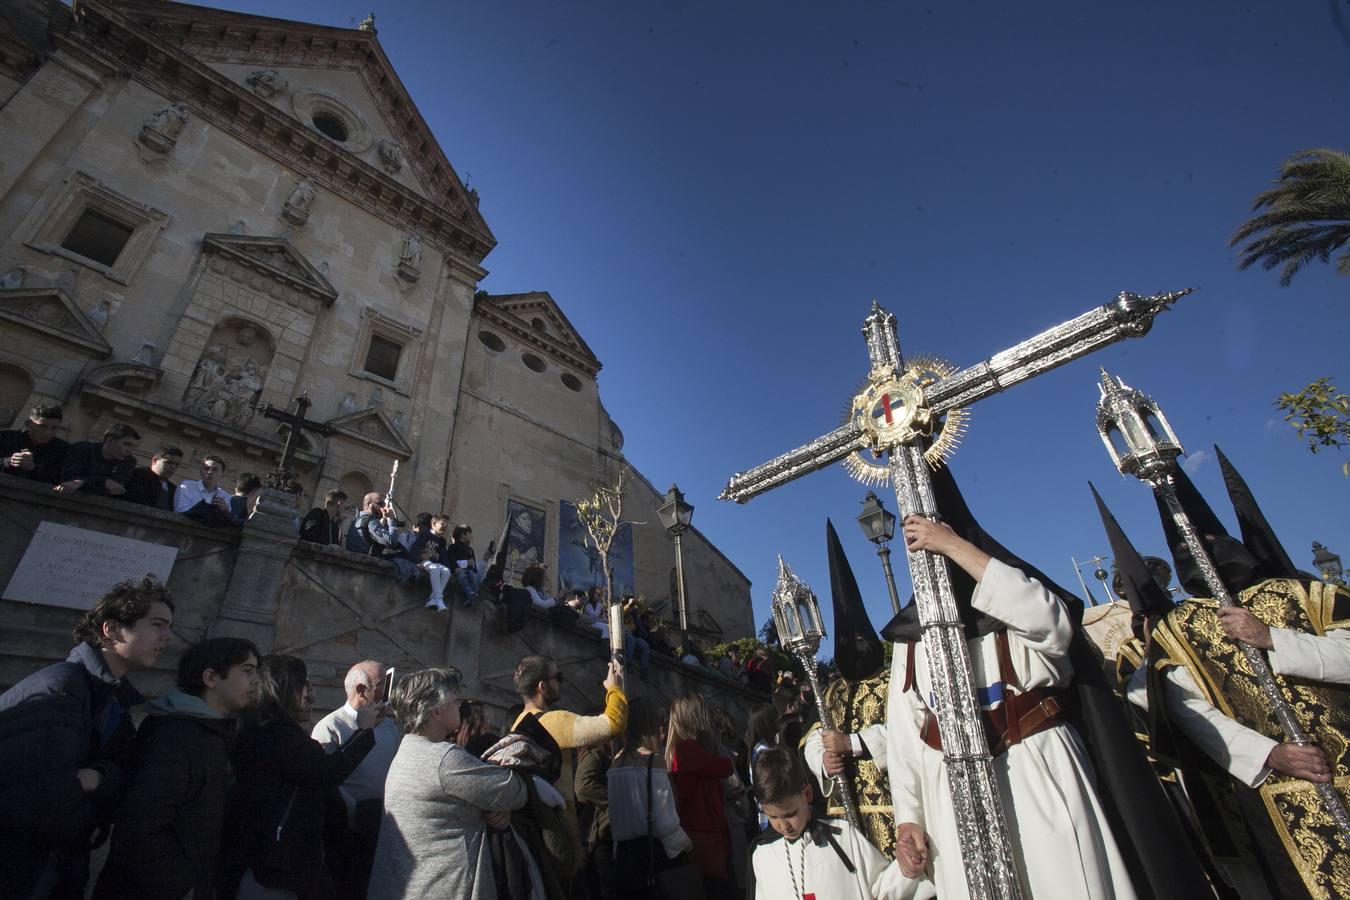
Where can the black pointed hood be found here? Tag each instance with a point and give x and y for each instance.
(1257, 535)
(952, 507)
(1146, 597)
(857, 649)
(1237, 568)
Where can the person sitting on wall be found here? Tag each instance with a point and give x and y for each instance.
(425, 549)
(35, 452)
(637, 645)
(323, 524)
(247, 487)
(150, 485)
(532, 580)
(374, 532)
(204, 500)
(464, 564)
(101, 467)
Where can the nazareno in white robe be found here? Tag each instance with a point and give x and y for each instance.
(1063, 846)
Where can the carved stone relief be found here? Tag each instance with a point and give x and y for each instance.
(160, 131)
(229, 377)
(267, 82)
(391, 156)
(297, 206)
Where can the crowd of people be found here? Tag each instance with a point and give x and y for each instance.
(227, 789)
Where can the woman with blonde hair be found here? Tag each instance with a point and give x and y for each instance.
(696, 772)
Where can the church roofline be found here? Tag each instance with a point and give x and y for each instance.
(167, 45)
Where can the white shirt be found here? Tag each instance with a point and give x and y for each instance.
(367, 779)
(628, 807)
(190, 493)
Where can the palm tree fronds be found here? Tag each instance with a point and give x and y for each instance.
(1303, 218)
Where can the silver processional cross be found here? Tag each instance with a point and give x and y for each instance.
(890, 418)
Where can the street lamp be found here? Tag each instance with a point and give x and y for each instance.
(676, 515)
(878, 525)
(1328, 563)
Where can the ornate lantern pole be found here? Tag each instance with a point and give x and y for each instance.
(1141, 443)
(878, 525)
(796, 615)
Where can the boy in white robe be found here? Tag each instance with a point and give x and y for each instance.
(805, 858)
(1062, 844)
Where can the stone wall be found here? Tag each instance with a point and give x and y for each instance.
(329, 607)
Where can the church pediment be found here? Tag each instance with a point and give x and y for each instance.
(275, 258)
(263, 56)
(50, 311)
(536, 318)
(372, 427)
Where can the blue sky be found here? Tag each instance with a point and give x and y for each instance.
(715, 192)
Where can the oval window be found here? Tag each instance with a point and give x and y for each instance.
(570, 381)
(330, 125)
(538, 325)
(532, 362)
(491, 341)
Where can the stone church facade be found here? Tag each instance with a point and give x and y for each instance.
(203, 211)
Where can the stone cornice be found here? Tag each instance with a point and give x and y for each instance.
(165, 45)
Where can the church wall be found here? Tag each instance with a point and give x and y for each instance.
(8, 88)
(523, 435)
(212, 182)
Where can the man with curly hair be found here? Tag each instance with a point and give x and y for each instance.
(66, 742)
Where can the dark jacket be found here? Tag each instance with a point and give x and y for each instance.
(47, 459)
(84, 460)
(275, 814)
(60, 719)
(460, 551)
(148, 489)
(167, 839)
(318, 527)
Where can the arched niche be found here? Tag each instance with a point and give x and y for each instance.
(16, 386)
(355, 485)
(229, 376)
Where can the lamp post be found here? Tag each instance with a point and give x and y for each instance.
(676, 515)
(878, 525)
(1328, 563)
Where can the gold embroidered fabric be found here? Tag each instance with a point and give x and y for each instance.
(854, 705)
(1192, 637)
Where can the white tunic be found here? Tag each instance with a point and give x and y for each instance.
(1062, 844)
(819, 872)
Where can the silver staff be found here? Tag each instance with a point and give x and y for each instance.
(901, 407)
(796, 615)
(1136, 419)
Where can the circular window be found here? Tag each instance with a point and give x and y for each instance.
(491, 341)
(570, 381)
(331, 126)
(532, 362)
(538, 325)
(332, 117)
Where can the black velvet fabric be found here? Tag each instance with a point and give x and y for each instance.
(1257, 535)
(1237, 568)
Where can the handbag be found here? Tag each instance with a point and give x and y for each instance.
(677, 879)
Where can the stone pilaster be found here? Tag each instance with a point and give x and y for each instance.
(254, 591)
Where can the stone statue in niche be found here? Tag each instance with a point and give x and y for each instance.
(297, 206)
(410, 258)
(160, 131)
(267, 82)
(234, 400)
(391, 156)
(206, 379)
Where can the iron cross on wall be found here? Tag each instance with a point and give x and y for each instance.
(901, 407)
(298, 423)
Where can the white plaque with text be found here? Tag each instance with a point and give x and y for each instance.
(68, 566)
